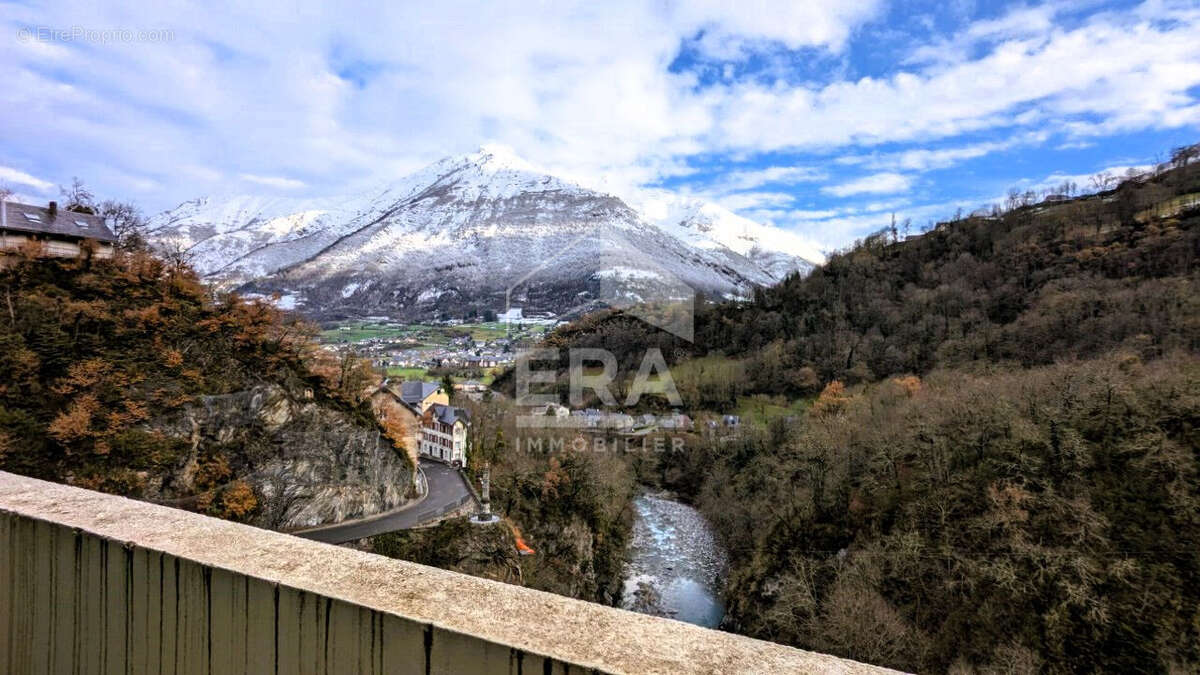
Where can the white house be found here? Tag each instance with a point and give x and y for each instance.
(444, 434)
(620, 421)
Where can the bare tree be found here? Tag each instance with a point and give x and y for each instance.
(126, 221)
(77, 197)
(1103, 181)
(1184, 155)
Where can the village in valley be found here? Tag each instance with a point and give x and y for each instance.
(471, 352)
(417, 360)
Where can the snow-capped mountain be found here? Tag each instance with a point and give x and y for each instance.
(714, 228)
(472, 233)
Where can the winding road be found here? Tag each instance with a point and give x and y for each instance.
(446, 491)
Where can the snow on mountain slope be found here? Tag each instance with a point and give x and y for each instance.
(471, 233)
(712, 227)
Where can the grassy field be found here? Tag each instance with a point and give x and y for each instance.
(489, 376)
(711, 371)
(760, 410)
(484, 331)
(407, 373)
(424, 334)
(712, 365)
(356, 332)
(1170, 207)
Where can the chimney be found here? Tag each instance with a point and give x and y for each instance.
(53, 209)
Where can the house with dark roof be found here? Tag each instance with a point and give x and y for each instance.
(52, 231)
(442, 427)
(421, 395)
(444, 433)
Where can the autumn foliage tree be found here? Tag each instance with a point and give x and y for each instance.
(93, 350)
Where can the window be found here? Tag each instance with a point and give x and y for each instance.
(32, 217)
(82, 224)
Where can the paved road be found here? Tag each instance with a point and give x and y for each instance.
(446, 490)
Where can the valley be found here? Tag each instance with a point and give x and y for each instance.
(631, 337)
(1008, 398)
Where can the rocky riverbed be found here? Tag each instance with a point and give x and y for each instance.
(676, 565)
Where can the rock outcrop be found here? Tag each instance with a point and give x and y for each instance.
(308, 462)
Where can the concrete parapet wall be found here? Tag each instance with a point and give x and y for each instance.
(96, 583)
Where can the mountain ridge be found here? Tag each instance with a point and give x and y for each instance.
(458, 235)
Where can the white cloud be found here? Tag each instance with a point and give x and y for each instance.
(730, 28)
(1131, 74)
(10, 175)
(1084, 181)
(814, 214)
(739, 201)
(879, 183)
(1020, 23)
(928, 159)
(782, 175)
(274, 181)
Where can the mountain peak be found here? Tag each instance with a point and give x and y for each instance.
(501, 157)
(492, 172)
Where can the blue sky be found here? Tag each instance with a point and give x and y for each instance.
(820, 117)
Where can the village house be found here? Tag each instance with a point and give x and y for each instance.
(470, 386)
(444, 433)
(482, 361)
(439, 429)
(443, 427)
(60, 233)
(420, 396)
(675, 421)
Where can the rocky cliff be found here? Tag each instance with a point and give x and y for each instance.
(307, 462)
(129, 376)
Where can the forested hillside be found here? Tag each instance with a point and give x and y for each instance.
(129, 376)
(1028, 519)
(996, 466)
(1023, 285)
(1020, 287)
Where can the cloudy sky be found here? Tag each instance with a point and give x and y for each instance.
(820, 116)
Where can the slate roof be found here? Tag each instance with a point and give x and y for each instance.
(65, 224)
(448, 414)
(415, 392)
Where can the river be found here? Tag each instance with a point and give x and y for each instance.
(676, 565)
